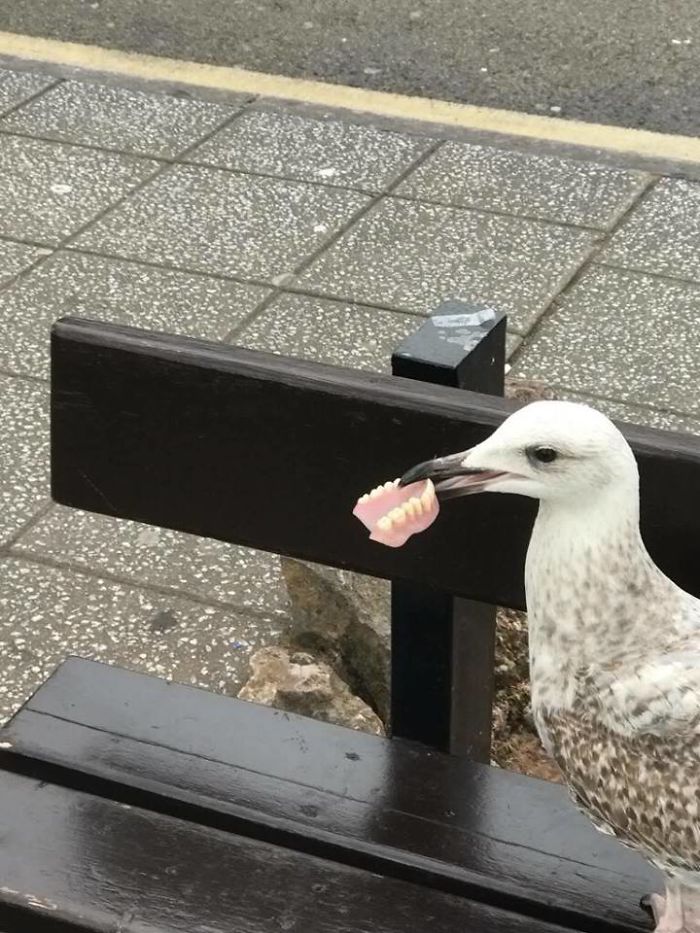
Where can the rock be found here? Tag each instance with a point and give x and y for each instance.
(527, 390)
(511, 707)
(297, 682)
(346, 617)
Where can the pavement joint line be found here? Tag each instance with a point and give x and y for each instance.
(640, 270)
(123, 580)
(430, 147)
(66, 241)
(255, 173)
(498, 212)
(552, 302)
(114, 150)
(30, 98)
(182, 159)
(632, 403)
(336, 236)
(27, 270)
(169, 267)
(280, 291)
(589, 260)
(335, 186)
(100, 215)
(27, 377)
(26, 241)
(366, 208)
(633, 201)
(225, 123)
(31, 522)
(287, 288)
(96, 59)
(165, 266)
(260, 307)
(109, 150)
(162, 168)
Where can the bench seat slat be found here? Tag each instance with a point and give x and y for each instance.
(81, 862)
(389, 806)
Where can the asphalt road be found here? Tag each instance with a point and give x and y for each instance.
(627, 62)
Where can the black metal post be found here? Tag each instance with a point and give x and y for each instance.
(442, 666)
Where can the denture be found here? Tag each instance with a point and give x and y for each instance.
(393, 513)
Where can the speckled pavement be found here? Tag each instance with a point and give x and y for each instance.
(312, 234)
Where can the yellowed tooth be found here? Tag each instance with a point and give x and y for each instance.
(384, 524)
(427, 497)
(417, 506)
(397, 516)
(409, 509)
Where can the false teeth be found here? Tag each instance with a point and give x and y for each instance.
(394, 513)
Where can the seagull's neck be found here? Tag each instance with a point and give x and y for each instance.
(588, 577)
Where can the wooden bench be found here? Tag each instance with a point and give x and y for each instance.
(129, 804)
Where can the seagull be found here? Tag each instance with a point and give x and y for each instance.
(614, 644)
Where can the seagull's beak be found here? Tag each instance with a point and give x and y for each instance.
(452, 475)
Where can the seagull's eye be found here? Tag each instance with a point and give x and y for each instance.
(544, 454)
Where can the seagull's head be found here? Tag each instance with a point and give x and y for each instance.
(553, 451)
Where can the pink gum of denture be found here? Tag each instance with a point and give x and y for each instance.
(393, 513)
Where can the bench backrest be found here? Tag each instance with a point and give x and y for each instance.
(271, 452)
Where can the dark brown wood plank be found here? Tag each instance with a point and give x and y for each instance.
(269, 452)
(389, 806)
(71, 860)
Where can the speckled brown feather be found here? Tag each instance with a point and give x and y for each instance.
(643, 789)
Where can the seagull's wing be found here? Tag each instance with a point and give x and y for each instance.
(655, 695)
(630, 750)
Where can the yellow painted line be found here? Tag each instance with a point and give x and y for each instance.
(132, 65)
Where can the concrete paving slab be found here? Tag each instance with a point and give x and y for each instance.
(48, 614)
(15, 258)
(637, 414)
(315, 150)
(17, 86)
(116, 118)
(117, 291)
(50, 190)
(329, 332)
(513, 341)
(411, 256)
(546, 187)
(649, 350)
(217, 221)
(662, 234)
(24, 441)
(199, 567)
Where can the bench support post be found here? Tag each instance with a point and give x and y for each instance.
(442, 646)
